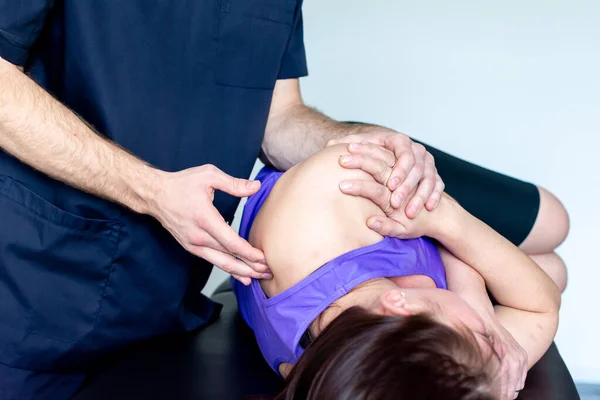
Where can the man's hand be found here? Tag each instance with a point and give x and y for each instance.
(412, 168)
(377, 161)
(397, 224)
(183, 205)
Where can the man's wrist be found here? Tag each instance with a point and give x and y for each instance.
(145, 188)
(342, 130)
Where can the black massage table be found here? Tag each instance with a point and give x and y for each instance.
(222, 361)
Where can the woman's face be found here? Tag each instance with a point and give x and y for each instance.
(384, 296)
(444, 305)
(449, 307)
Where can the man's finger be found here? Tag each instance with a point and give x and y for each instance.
(436, 196)
(234, 186)
(230, 240)
(375, 139)
(404, 164)
(266, 273)
(373, 151)
(402, 147)
(399, 143)
(245, 281)
(379, 169)
(424, 191)
(203, 239)
(386, 227)
(227, 263)
(402, 192)
(377, 193)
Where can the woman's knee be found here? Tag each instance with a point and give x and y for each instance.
(554, 266)
(551, 226)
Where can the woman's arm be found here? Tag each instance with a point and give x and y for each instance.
(529, 298)
(534, 332)
(513, 278)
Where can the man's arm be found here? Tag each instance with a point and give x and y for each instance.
(41, 132)
(294, 132)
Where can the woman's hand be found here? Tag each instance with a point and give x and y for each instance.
(470, 286)
(513, 360)
(398, 225)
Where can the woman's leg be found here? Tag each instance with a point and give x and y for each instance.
(527, 215)
(554, 266)
(550, 228)
(549, 231)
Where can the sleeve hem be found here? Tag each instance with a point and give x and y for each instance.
(12, 52)
(298, 73)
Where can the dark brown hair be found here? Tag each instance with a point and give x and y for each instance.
(367, 356)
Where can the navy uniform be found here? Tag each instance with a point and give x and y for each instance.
(177, 83)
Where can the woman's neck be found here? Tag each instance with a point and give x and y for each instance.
(367, 295)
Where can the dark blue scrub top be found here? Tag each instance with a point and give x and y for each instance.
(177, 83)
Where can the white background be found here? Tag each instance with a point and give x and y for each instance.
(512, 85)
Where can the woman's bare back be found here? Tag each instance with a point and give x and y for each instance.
(307, 221)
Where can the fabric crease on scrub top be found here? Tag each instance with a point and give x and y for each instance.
(280, 322)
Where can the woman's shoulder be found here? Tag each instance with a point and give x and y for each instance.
(307, 221)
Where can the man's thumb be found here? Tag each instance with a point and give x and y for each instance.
(236, 186)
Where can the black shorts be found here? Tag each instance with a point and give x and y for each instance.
(508, 205)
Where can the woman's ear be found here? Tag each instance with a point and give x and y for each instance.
(393, 302)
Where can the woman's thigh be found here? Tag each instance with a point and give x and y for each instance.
(528, 216)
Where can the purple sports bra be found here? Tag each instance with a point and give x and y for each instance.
(280, 322)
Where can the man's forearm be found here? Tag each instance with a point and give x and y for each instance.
(296, 134)
(43, 133)
(511, 276)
